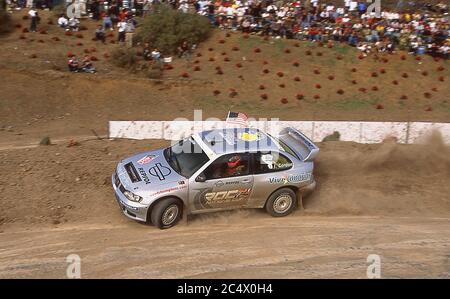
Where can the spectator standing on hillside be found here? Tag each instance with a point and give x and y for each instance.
(95, 9)
(100, 33)
(34, 19)
(121, 27)
(184, 6)
(107, 22)
(361, 7)
(129, 31)
(146, 7)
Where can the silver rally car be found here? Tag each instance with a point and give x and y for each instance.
(217, 170)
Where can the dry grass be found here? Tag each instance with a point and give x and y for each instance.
(227, 73)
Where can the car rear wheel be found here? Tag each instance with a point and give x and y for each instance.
(166, 213)
(281, 203)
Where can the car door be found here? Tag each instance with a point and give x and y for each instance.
(270, 171)
(219, 188)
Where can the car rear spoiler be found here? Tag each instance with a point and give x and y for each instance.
(303, 147)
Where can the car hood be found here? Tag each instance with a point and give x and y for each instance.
(147, 171)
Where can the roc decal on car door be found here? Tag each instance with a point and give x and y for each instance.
(210, 199)
(238, 195)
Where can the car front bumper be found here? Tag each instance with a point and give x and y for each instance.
(133, 210)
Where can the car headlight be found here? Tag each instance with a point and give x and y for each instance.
(131, 196)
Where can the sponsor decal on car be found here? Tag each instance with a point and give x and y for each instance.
(219, 184)
(227, 196)
(169, 190)
(159, 171)
(146, 159)
(294, 178)
(247, 136)
(232, 182)
(144, 175)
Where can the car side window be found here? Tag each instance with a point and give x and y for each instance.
(229, 166)
(271, 162)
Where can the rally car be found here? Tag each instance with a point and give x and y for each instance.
(217, 170)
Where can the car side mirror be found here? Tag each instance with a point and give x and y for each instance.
(201, 178)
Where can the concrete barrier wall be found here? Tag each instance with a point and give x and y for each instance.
(361, 132)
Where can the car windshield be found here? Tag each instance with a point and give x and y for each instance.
(185, 157)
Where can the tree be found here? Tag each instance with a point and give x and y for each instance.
(166, 29)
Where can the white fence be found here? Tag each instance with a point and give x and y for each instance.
(361, 132)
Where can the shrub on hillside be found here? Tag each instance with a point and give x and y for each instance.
(336, 136)
(6, 25)
(166, 29)
(124, 57)
(155, 71)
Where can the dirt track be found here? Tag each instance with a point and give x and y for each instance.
(388, 199)
(244, 245)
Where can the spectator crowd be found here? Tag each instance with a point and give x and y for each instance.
(423, 30)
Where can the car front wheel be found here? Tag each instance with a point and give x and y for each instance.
(281, 203)
(166, 213)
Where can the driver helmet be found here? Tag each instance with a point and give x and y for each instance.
(234, 161)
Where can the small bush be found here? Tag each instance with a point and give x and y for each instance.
(336, 136)
(45, 141)
(6, 25)
(124, 57)
(155, 71)
(166, 29)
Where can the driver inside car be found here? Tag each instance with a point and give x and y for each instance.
(235, 166)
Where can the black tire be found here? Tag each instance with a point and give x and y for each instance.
(281, 203)
(166, 213)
